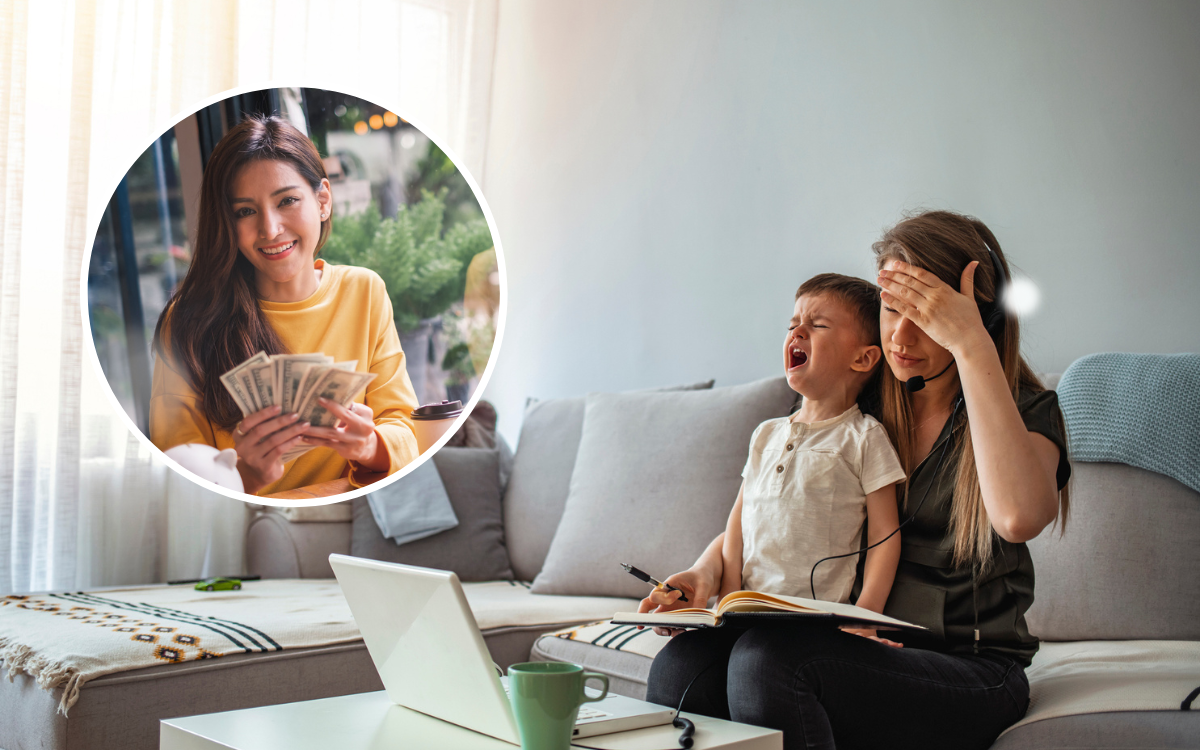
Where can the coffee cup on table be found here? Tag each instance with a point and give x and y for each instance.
(431, 421)
(545, 697)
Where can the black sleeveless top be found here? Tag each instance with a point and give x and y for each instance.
(952, 602)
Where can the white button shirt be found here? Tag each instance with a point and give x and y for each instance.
(805, 498)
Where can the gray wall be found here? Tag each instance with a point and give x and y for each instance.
(664, 175)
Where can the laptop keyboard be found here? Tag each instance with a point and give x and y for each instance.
(586, 712)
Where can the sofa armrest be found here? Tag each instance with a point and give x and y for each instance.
(279, 548)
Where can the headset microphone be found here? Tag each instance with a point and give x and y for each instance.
(916, 382)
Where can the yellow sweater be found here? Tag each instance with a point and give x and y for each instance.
(348, 317)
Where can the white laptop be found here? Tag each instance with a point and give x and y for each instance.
(431, 657)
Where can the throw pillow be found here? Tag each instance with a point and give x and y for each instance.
(655, 477)
(475, 548)
(541, 477)
(1125, 568)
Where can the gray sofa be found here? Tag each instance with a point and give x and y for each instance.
(651, 476)
(1123, 575)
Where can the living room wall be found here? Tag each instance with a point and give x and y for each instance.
(665, 174)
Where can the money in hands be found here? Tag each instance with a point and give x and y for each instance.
(294, 382)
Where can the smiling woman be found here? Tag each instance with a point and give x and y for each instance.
(256, 285)
(275, 215)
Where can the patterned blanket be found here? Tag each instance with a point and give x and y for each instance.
(65, 639)
(625, 638)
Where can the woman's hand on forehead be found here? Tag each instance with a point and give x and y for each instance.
(951, 318)
(916, 276)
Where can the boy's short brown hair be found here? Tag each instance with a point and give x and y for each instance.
(859, 294)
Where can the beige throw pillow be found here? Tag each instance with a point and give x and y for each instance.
(654, 479)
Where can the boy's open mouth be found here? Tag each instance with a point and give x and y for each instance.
(796, 358)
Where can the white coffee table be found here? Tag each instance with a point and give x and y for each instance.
(369, 721)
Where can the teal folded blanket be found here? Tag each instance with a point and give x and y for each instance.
(413, 507)
(1137, 409)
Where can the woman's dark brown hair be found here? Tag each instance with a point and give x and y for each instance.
(213, 321)
(943, 243)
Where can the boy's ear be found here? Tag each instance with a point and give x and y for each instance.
(868, 357)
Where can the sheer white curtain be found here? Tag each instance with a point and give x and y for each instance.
(84, 88)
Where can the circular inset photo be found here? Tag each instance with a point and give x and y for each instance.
(294, 293)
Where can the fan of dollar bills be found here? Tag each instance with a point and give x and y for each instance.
(295, 382)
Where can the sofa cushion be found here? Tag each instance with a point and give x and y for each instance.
(541, 477)
(654, 479)
(475, 548)
(622, 652)
(1116, 730)
(1094, 688)
(512, 618)
(1128, 563)
(505, 604)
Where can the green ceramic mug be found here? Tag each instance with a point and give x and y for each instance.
(546, 696)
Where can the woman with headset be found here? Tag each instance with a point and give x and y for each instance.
(255, 284)
(983, 444)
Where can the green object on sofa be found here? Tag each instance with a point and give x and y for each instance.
(218, 584)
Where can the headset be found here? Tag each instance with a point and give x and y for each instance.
(993, 320)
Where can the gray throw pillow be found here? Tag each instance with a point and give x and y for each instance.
(1127, 565)
(475, 548)
(655, 477)
(541, 477)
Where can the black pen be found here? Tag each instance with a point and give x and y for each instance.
(642, 576)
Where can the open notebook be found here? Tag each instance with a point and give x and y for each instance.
(750, 607)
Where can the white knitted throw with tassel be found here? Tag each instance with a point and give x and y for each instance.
(65, 639)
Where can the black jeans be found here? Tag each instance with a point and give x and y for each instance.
(825, 688)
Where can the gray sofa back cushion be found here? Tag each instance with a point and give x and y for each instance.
(541, 477)
(1128, 564)
(475, 548)
(654, 479)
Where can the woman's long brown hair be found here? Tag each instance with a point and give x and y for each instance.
(213, 321)
(943, 243)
